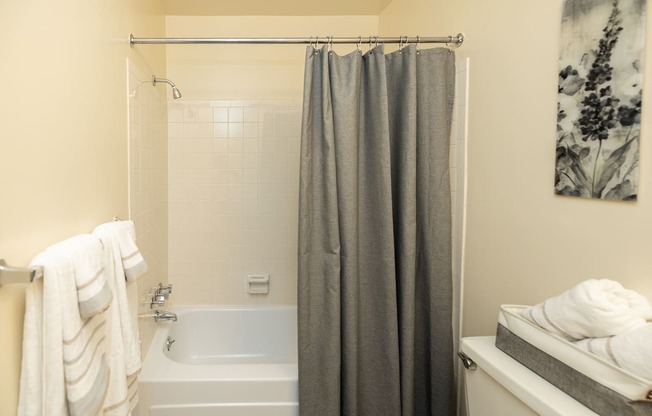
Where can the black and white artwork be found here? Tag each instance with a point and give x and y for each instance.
(600, 94)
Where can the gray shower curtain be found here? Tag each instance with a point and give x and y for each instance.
(375, 285)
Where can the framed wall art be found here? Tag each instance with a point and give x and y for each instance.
(600, 98)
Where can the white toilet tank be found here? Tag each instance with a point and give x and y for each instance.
(500, 386)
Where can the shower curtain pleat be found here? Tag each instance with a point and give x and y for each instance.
(374, 291)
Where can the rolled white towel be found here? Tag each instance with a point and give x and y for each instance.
(592, 309)
(630, 350)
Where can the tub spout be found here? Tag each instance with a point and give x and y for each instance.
(164, 316)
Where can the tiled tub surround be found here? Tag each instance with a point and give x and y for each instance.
(233, 192)
(148, 187)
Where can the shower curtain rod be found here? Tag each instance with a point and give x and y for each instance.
(451, 40)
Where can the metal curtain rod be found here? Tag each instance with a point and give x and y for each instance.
(451, 40)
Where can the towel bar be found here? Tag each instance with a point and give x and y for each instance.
(10, 274)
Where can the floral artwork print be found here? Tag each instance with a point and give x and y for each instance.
(600, 94)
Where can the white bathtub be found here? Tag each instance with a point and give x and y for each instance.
(235, 361)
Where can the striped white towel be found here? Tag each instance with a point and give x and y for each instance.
(125, 346)
(66, 369)
(85, 341)
(93, 292)
(629, 350)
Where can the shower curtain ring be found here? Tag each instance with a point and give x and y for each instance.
(402, 42)
(316, 45)
(359, 45)
(330, 45)
(418, 42)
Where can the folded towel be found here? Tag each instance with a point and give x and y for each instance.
(630, 350)
(592, 309)
(64, 355)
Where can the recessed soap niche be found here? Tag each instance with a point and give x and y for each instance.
(258, 284)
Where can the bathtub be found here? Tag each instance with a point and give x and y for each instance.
(235, 361)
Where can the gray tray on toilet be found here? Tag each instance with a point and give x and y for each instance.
(594, 382)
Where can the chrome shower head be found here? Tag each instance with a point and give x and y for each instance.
(176, 94)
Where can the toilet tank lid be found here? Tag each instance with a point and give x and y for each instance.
(534, 391)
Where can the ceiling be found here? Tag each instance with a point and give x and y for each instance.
(273, 7)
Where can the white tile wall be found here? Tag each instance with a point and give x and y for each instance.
(148, 187)
(234, 180)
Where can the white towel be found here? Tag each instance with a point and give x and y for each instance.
(93, 291)
(71, 376)
(125, 345)
(85, 341)
(32, 373)
(592, 309)
(631, 350)
(133, 263)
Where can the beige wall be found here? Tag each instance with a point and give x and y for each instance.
(524, 244)
(63, 140)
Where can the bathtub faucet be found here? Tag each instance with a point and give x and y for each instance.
(164, 316)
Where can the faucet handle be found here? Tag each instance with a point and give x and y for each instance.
(158, 295)
(164, 290)
(158, 300)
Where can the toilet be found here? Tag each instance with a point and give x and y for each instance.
(497, 385)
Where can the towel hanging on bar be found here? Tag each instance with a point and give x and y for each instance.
(9, 274)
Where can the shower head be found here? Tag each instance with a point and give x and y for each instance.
(176, 94)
